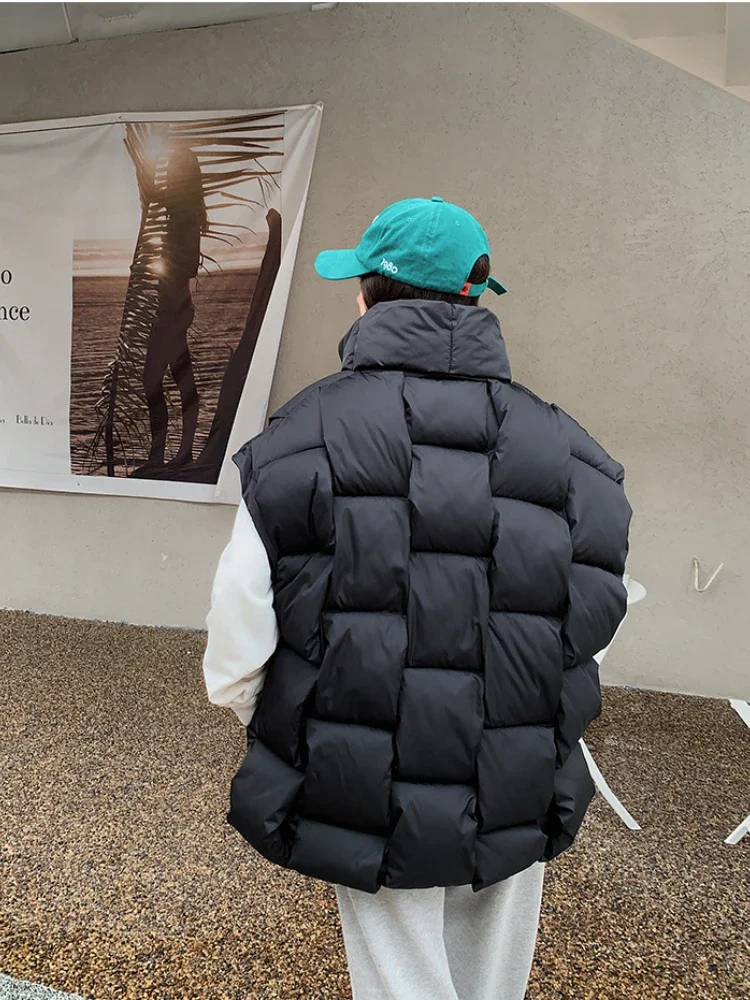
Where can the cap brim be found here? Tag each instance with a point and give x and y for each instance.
(337, 265)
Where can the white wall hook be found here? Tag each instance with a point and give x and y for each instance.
(709, 581)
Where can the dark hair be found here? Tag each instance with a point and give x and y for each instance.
(380, 288)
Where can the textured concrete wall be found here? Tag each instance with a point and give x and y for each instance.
(615, 192)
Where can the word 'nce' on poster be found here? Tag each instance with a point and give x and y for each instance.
(11, 313)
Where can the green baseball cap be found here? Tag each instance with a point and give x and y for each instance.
(424, 242)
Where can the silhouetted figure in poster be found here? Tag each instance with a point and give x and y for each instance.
(186, 221)
(189, 176)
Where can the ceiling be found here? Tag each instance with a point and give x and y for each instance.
(31, 25)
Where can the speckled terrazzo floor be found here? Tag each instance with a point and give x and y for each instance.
(120, 879)
(17, 989)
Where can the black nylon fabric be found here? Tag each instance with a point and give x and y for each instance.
(446, 554)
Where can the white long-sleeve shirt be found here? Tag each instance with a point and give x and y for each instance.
(242, 628)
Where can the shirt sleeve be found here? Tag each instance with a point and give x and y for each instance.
(242, 627)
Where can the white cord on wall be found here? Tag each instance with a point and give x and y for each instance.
(709, 581)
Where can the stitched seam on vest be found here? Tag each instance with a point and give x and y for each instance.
(572, 447)
(450, 447)
(440, 784)
(286, 409)
(590, 565)
(524, 725)
(343, 826)
(527, 614)
(514, 826)
(454, 670)
(349, 725)
(577, 457)
(444, 552)
(360, 611)
(395, 764)
(288, 454)
(441, 552)
(453, 330)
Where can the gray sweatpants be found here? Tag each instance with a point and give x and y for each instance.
(442, 944)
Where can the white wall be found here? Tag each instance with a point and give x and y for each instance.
(615, 191)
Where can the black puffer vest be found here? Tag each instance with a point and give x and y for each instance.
(446, 552)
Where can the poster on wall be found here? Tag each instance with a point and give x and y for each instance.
(145, 266)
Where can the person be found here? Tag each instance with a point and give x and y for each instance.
(168, 349)
(426, 560)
